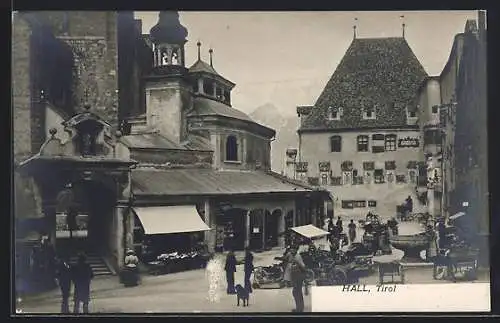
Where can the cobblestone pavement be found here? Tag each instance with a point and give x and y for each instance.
(187, 292)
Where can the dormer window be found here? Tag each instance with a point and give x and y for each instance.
(334, 113)
(369, 113)
(435, 109)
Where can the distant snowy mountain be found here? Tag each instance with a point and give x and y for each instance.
(286, 132)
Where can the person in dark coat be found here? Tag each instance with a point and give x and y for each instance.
(339, 225)
(230, 269)
(248, 269)
(352, 231)
(409, 204)
(63, 278)
(82, 276)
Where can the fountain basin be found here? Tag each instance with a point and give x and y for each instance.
(411, 245)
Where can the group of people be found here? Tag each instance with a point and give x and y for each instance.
(230, 269)
(336, 237)
(79, 275)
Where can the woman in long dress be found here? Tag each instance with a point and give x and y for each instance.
(215, 276)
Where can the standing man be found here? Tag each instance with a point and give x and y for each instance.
(248, 269)
(352, 231)
(409, 205)
(63, 278)
(82, 276)
(339, 225)
(298, 271)
(230, 269)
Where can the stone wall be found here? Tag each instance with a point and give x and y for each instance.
(21, 87)
(174, 157)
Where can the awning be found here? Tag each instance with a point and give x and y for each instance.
(170, 219)
(310, 231)
(457, 215)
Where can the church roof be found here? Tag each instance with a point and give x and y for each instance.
(205, 106)
(201, 66)
(380, 73)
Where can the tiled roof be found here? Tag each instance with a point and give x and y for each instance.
(207, 182)
(383, 73)
(204, 106)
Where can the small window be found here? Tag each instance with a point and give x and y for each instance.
(378, 174)
(412, 176)
(390, 142)
(347, 204)
(435, 109)
(334, 113)
(336, 144)
(324, 179)
(362, 142)
(412, 114)
(372, 203)
(196, 87)
(231, 148)
(208, 87)
(369, 113)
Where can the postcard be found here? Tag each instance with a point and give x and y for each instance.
(179, 162)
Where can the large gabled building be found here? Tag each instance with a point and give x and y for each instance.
(361, 138)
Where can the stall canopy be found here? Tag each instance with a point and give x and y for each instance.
(457, 215)
(170, 219)
(310, 231)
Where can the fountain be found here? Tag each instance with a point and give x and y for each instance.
(412, 240)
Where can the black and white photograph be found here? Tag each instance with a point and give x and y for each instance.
(250, 161)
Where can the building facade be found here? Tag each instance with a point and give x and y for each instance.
(361, 139)
(134, 138)
(464, 128)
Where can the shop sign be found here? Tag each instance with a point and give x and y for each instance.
(408, 142)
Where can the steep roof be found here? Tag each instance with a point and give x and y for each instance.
(201, 66)
(383, 73)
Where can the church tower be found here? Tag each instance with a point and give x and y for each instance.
(168, 93)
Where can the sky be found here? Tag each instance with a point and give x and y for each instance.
(286, 58)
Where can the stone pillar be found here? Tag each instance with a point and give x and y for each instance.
(264, 218)
(210, 221)
(247, 228)
(281, 229)
(215, 89)
(118, 227)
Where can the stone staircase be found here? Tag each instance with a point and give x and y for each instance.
(99, 265)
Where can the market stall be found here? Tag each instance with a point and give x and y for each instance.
(172, 238)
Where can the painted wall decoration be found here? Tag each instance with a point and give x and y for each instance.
(408, 142)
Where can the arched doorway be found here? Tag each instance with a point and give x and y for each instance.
(92, 229)
(272, 227)
(233, 222)
(256, 241)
